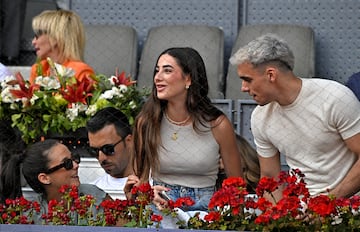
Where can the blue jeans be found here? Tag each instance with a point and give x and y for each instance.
(201, 196)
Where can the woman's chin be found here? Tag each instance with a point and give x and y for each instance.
(75, 181)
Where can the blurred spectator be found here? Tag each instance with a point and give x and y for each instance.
(59, 35)
(12, 16)
(354, 84)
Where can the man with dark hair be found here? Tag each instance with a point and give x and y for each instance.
(110, 141)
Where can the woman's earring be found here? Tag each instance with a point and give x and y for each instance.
(187, 86)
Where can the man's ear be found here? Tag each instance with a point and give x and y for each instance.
(271, 73)
(44, 178)
(129, 140)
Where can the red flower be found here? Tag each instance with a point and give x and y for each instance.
(266, 184)
(263, 204)
(355, 202)
(212, 216)
(121, 79)
(79, 91)
(24, 91)
(181, 202)
(156, 218)
(322, 205)
(234, 181)
(63, 189)
(74, 192)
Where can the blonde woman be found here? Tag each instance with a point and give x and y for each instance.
(59, 35)
(250, 163)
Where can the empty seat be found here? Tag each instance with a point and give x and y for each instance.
(207, 40)
(300, 39)
(111, 46)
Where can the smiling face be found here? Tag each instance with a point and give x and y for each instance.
(116, 165)
(57, 155)
(170, 81)
(256, 82)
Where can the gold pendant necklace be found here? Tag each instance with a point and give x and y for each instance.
(175, 136)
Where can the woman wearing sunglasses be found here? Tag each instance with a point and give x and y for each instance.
(46, 165)
(59, 35)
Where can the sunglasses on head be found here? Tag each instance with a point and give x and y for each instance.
(107, 149)
(67, 164)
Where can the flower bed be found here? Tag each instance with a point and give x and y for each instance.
(230, 208)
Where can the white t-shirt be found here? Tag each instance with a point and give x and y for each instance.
(310, 132)
(111, 185)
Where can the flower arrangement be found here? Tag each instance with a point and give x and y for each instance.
(230, 208)
(60, 103)
(73, 209)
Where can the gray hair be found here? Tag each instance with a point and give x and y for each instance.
(266, 48)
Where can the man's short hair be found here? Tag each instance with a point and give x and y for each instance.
(108, 116)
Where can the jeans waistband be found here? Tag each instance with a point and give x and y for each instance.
(180, 187)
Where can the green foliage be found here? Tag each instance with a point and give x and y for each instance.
(60, 103)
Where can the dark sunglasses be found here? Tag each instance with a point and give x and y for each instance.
(107, 149)
(67, 164)
(38, 33)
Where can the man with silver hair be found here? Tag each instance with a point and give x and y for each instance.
(314, 123)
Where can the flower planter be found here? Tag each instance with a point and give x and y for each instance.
(39, 228)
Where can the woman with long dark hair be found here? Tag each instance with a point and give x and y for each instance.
(179, 135)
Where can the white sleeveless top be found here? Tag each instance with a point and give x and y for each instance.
(192, 160)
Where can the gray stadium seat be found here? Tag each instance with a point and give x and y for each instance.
(111, 46)
(207, 40)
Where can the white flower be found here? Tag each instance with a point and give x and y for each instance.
(92, 109)
(48, 82)
(81, 107)
(7, 96)
(111, 79)
(73, 112)
(63, 71)
(7, 79)
(123, 88)
(110, 94)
